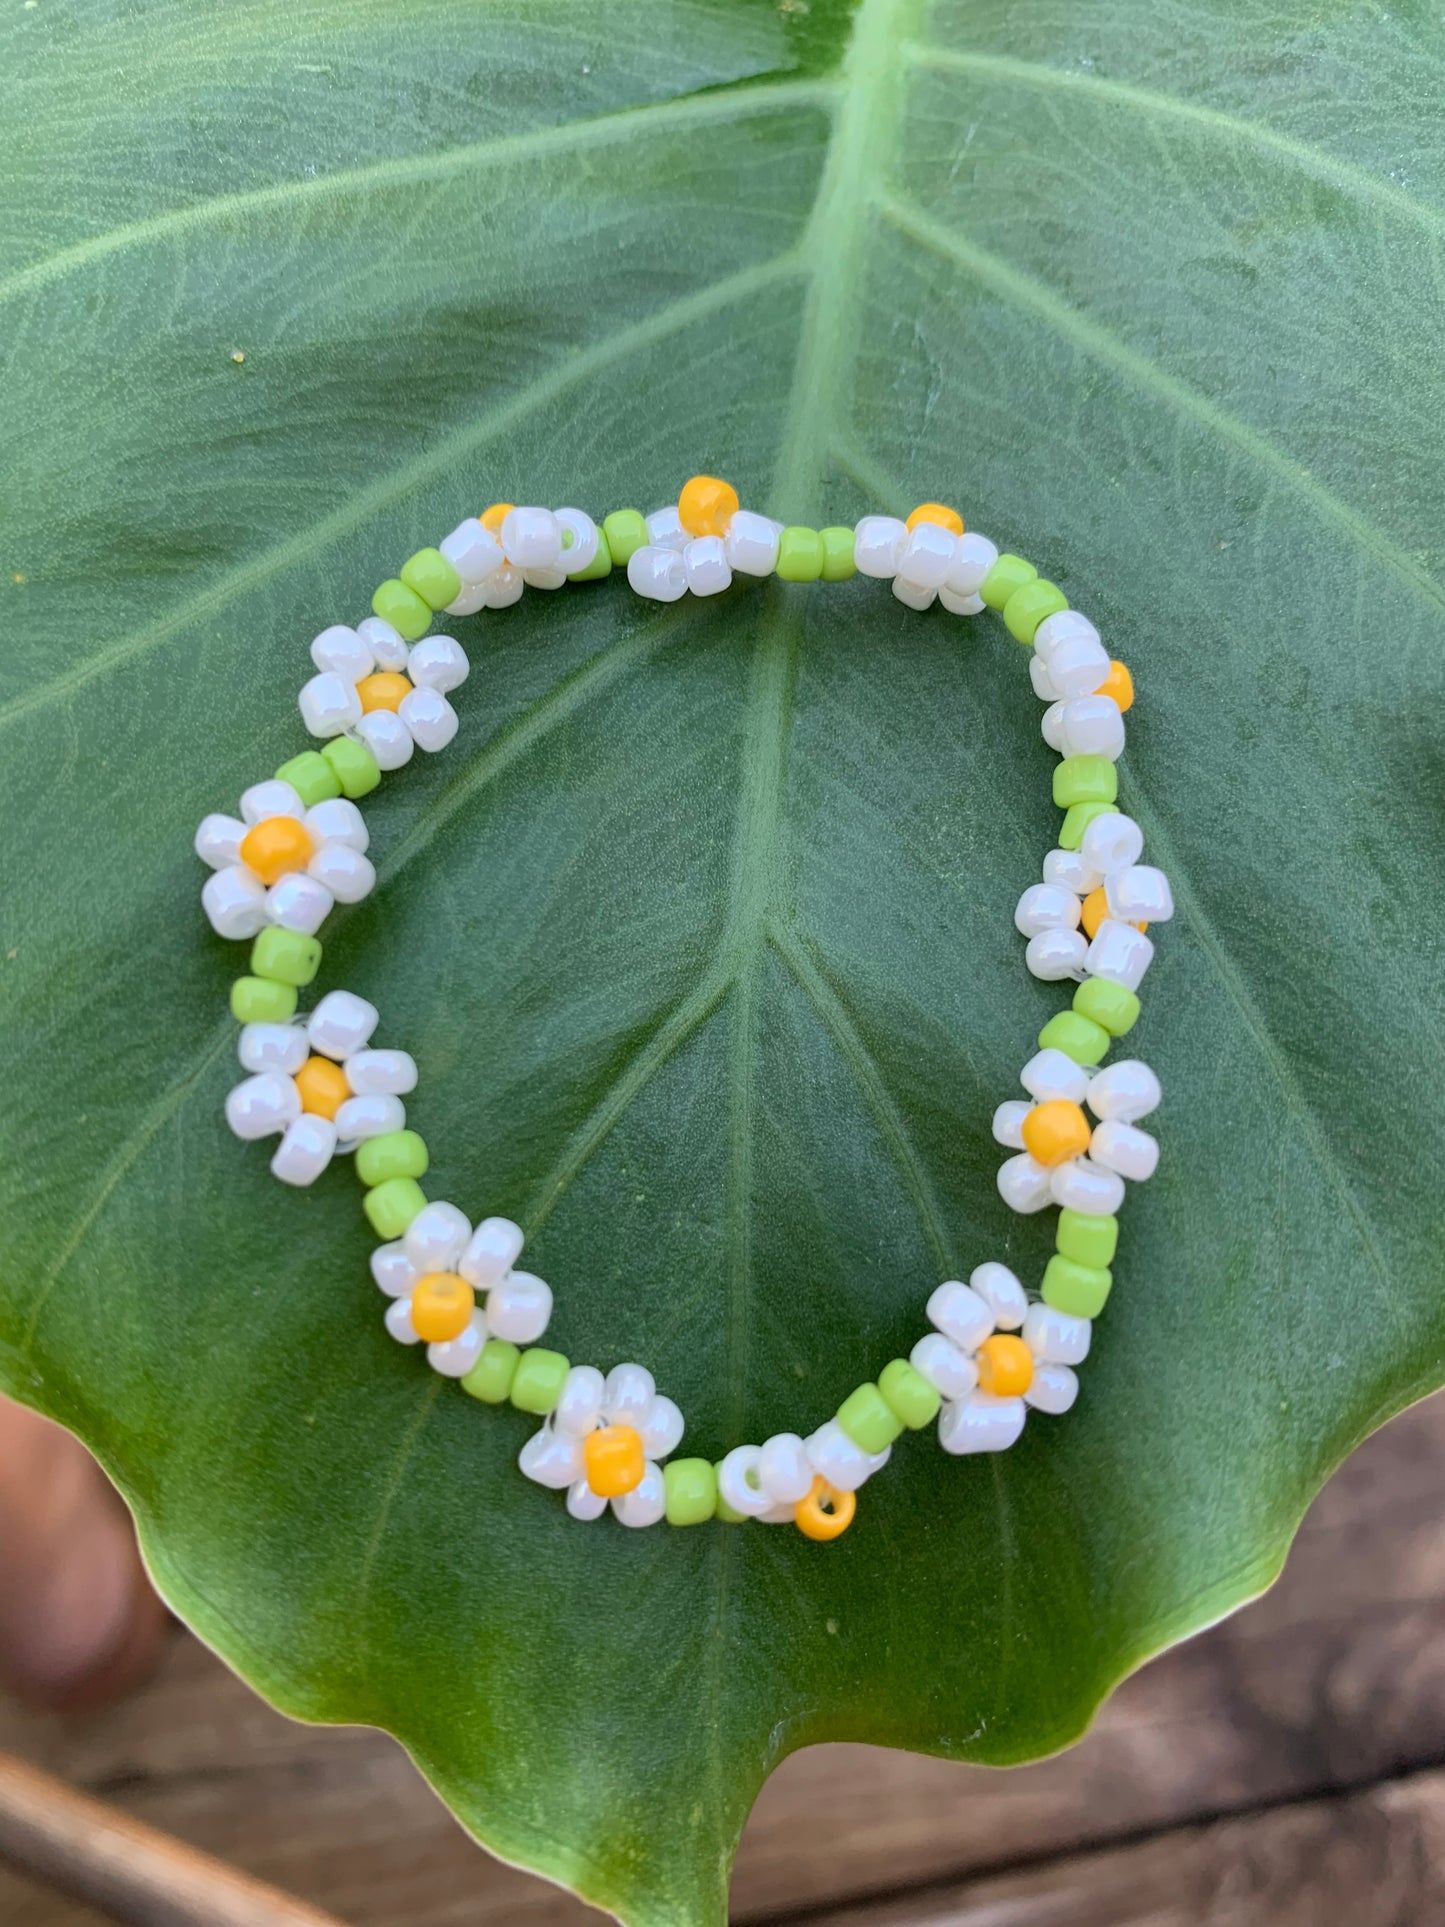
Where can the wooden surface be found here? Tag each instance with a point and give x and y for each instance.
(1286, 1769)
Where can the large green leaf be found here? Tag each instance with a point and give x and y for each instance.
(701, 933)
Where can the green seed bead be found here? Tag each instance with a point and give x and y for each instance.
(429, 575)
(1008, 574)
(625, 532)
(691, 1486)
(868, 1419)
(800, 555)
(838, 551)
(403, 608)
(1111, 1006)
(1077, 1037)
(260, 1000)
(537, 1381)
(390, 1207)
(490, 1379)
(724, 1510)
(1029, 604)
(1085, 779)
(285, 956)
(394, 1154)
(354, 766)
(1077, 819)
(311, 776)
(1079, 1290)
(1088, 1241)
(599, 566)
(908, 1394)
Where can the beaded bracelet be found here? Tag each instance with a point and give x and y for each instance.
(993, 1352)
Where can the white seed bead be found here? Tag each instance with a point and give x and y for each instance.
(947, 1369)
(1126, 1149)
(877, 544)
(272, 1047)
(706, 563)
(1111, 842)
(1051, 725)
(430, 718)
(581, 552)
(504, 587)
(398, 1322)
(493, 1249)
(218, 840)
(913, 595)
(1055, 954)
(341, 1023)
(1127, 1090)
(583, 1503)
(659, 574)
(1043, 906)
(1140, 894)
(1077, 666)
(960, 605)
(519, 1308)
(1008, 1122)
(299, 902)
(387, 737)
(393, 1271)
(440, 663)
(973, 556)
(1062, 625)
(1023, 1184)
(663, 1428)
(738, 1482)
(1119, 953)
(980, 1423)
(473, 551)
(1052, 1390)
(343, 650)
(469, 598)
(1057, 1337)
(1082, 1185)
(436, 1237)
(751, 544)
(665, 530)
(784, 1472)
(337, 820)
(1091, 726)
(235, 902)
(835, 1457)
(532, 538)
(646, 1503)
(553, 1459)
(779, 1515)
(628, 1395)
(271, 798)
(579, 1409)
(1044, 689)
(545, 578)
(927, 555)
(961, 1314)
(1070, 870)
(455, 1357)
(329, 706)
(387, 645)
(1051, 1074)
(359, 1118)
(262, 1106)
(305, 1149)
(1001, 1291)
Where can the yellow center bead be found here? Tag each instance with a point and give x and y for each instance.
(615, 1460)
(1119, 684)
(441, 1306)
(323, 1087)
(938, 512)
(276, 846)
(706, 505)
(1005, 1366)
(492, 519)
(826, 1513)
(387, 689)
(1055, 1132)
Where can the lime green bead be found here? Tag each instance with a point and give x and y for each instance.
(839, 546)
(1007, 575)
(390, 1207)
(868, 1419)
(1111, 1006)
(403, 608)
(394, 1154)
(691, 1488)
(490, 1379)
(1079, 1290)
(908, 1394)
(725, 1511)
(1085, 779)
(800, 555)
(355, 768)
(598, 567)
(1088, 1241)
(285, 956)
(1077, 1037)
(1077, 819)
(1029, 604)
(260, 1000)
(429, 575)
(625, 532)
(537, 1381)
(311, 776)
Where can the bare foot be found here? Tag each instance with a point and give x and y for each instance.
(79, 1623)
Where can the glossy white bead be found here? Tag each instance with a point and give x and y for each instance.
(436, 1237)
(398, 1322)
(657, 573)
(1052, 1390)
(337, 820)
(1127, 1090)
(581, 552)
(271, 798)
(440, 663)
(341, 1023)
(455, 1357)
(1053, 955)
(1008, 1121)
(1069, 870)
(645, 1504)
(393, 1271)
(779, 1515)
(343, 650)
(1140, 894)
(1091, 726)
(665, 530)
(627, 1395)
(1062, 625)
(1001, 1291)
(662, 1429)
(473, 551)
(960, 605)
(980, 1423)
(387, 645)
(272, 1047)
(1057, 1337)
(784, 1471)
(468, 599)
(329, 705)
(358, 1118)
(299, 902)
(235, 902)
(1111, 842)
(948, 1370)
(262, 1106)
(1126, 1149)
(218, 840)
(552, 1459)
(1023, 1185)
(1077, 666)
(738, 1481)
(751, 544)
(549, 579)
(492, 1250)
(583, 1503)
(305, 1149)
(387, 737)
(913, 595)
(1051, 1074)
(519, 1309)
(961, 1314)
(503, 587)
(1043, 906)
(927, 555)
(1051, 725)
(706, 562)
(973, 556)
(835, 1457)
(579, 1409)
(877, 544)
(1119, 953)
(430, 718)
(1082, 1185)
(532, 538)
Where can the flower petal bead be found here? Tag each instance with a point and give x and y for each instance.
(1127, 1090)
(657, 573)
(234, 903)
(1139, 894)
(338, 820)
(1056, 1338)
(299, 903)
(375, 1115)
(1085, 1186)
(665, 530)
(878, 543)
(519, 1308)
(494, 1247)
(394, 1272)
(455, 1357)
(646, 1503)
(583, 1503)
(275, 797)
(579, 1409)
(1112, 841)
(440, 663)
(387, 645)
(1091, 726)
(503, 587)
(912, 594)
(1001, 1291)
(1070, 870)
(471, 597)
(218, 840)
(784, 1471)
(839, 1459)
(430, 718)
(960, 605)
(663, 1428)
(341, 1023)
(961, 1314)
(532, 538)
(1054, 955)
(1119, 953)
(272, 1047)
(751, 544)
(1008, 1122)
(1043, 906)
(436, 1237)
(1053, 1391)
(473, 551)
(979, 1423)
(1064, 625)
(1051, 725)
(1050, 1074)
(387, 737)
(927, 555)
(973, 557)
(628, 1395)
(706, 563)
(398, 1322)
(390, 1071)
(262, 1106)
(951, 1372)
(1043, 686)
(1023, 1184)
(580, 552)
(739, 1483)
(305, 1149)
(343, 650)
(1077, 666)
(1126, 1149)
(552, 1459)
(329, 706)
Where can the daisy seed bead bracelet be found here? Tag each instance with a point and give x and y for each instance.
(323, 1085)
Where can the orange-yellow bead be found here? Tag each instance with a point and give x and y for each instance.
(706, 505)
(1055, 1132)
(614, 1459)
(938, 512)
(1005, 1366)
(387, 689)
(441, 1306)
(277, 846)
(1096, 908)
(826, 1512)
(323, 1087)
(492, 519)
(1119, 684)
